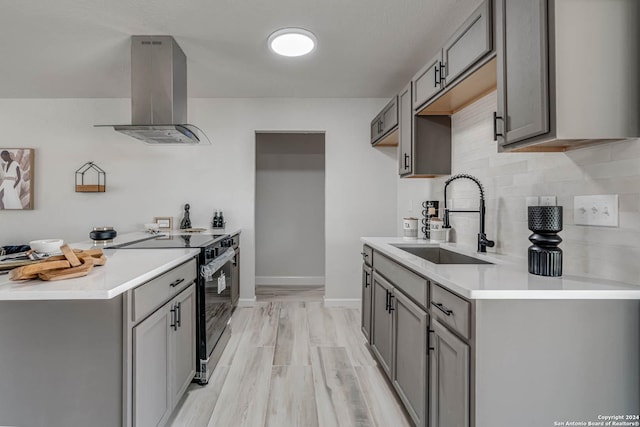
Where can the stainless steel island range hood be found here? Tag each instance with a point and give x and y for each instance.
(159, 94)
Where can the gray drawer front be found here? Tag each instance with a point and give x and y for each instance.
(443, 302)
(154, 293)
(367, 255)
(415, 286)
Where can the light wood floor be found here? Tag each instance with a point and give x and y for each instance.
(293, 364)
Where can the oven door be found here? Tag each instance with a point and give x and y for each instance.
(217, 305)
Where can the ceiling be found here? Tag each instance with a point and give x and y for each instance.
(80, 48)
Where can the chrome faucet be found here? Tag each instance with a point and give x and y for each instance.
(483, 242)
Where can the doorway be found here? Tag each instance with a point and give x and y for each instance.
(290, 216)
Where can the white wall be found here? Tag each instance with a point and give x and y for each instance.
(290, 208)
(613, 168)
(145, 181)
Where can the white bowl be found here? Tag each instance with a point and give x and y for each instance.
(46, 246)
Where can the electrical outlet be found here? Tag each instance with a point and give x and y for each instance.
(530, 201)
(599, 210)
(548, 200)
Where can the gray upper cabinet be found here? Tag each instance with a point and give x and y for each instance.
(428, 82)
(557, 90)
(384, 125)
(449, 384)
(410, 329)
(366, 301)
(381, 319)
(469, 44)
(405, 129)
(523, 104)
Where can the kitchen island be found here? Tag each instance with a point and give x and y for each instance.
(68, 348)
(489, 344)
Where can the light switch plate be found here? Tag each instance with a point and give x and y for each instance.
(598, 210)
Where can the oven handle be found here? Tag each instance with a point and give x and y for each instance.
(209, 270)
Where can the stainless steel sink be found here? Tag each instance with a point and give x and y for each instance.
(440, 256)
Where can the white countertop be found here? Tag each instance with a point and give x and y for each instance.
(124, 270)
(507, 278)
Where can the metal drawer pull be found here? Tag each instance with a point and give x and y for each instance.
(173, 319)
(442, 308)
(176, 283)
(391, 302)
(178, 314)
(387, 305)
(496, 117)
(436, 80)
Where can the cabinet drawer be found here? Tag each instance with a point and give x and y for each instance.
(410, 283)
(367, 255)
(154, 293)
(451, 310)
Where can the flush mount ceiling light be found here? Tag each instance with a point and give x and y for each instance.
(292, 42)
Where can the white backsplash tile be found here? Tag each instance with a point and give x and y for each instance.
(508, 178)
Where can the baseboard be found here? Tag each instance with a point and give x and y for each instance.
(246, 302)
(343, 302)
(289, 280)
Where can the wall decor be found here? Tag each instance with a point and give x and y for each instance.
(16, 178)
(165, 223)
(90, 178)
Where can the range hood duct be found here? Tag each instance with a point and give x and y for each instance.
(159, 94)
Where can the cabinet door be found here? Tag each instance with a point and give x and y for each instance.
(235, 279)
(376, 128)
(449, 370)
(183, 342)
(405, 119)
(151, 367)
(522, 72)
(470, 43)
(381, 322)
(410, 329)
(366, 301)
(390, 115)
(428, 82)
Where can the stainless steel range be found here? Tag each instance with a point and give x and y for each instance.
(214, 298)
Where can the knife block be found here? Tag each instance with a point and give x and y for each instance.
(545, 258)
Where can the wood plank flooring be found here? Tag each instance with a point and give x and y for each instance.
(291, 362)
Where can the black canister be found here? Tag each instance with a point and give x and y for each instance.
(545, 258)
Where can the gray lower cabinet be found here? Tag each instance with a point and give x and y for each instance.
(152, 398)
(183, 343)
(366, 301)
(449, 384)
(381, 322)
(163, 359)
(410, 329)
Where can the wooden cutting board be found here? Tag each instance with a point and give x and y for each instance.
(31, 271)
(68, 273)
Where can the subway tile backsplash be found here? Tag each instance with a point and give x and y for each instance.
(612, 168)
